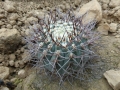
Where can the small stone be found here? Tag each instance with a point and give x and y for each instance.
(25, 55)
(4, 72)
(13, 22)
(117, 14)
(9, 6)
(9, 26)
(67, 6)
(11, 63)
(103, 29)
(2, 16)
(117, 36)
(113, 78)
(18, 52)
(4, 88)
(22, 74)
(19, 23)
(15, 27)
(31, 20)
(105, 6)
(13, 80)
(13, 16)
(46, 3)
(113, 27)
(93, 9)
(12, 57)
(17, 64)
(62, 7)
(21, 63)
(77, 2)
(22, 49)
(9, 38)
(114, 3)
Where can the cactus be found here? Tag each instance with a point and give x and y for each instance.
(62, 46)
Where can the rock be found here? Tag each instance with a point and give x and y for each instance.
(105, 6)
(114, 3)
(4, 88)
(2, 16)
(13, 80)
(17, 64)
(117, 14)
(9, 40)
(21, 63)
(13, 22)
(46, 4)
(9, 26)
(77, 2)
(11, 63)
(15, 27)
(9, 6)
(113, 27)
(19, 23)
(25, 56)
(93, 9)
(31, 20)
(117, 36)
(12, 57)
(61, 6)
(113, 78)
(13, 16)
(22, 74)
(103, 29)
(36, 13)
(4, 72)
(22, 49)
(1, 58)
(67, 6)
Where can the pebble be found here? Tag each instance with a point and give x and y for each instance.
(14, 16)
(4, 72)
(22, 74)
(113, 27)
(12, 57)
(11, 63)
(4, 88)
(113, 78)
(13, 22)
(9, 26)
(17, 64)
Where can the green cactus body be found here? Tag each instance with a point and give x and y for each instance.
(61, 57)
(62, 47)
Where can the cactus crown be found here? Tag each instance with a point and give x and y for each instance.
(61, 45)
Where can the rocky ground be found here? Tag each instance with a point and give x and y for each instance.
(17, 16)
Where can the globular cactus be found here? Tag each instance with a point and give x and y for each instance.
(62, 46)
